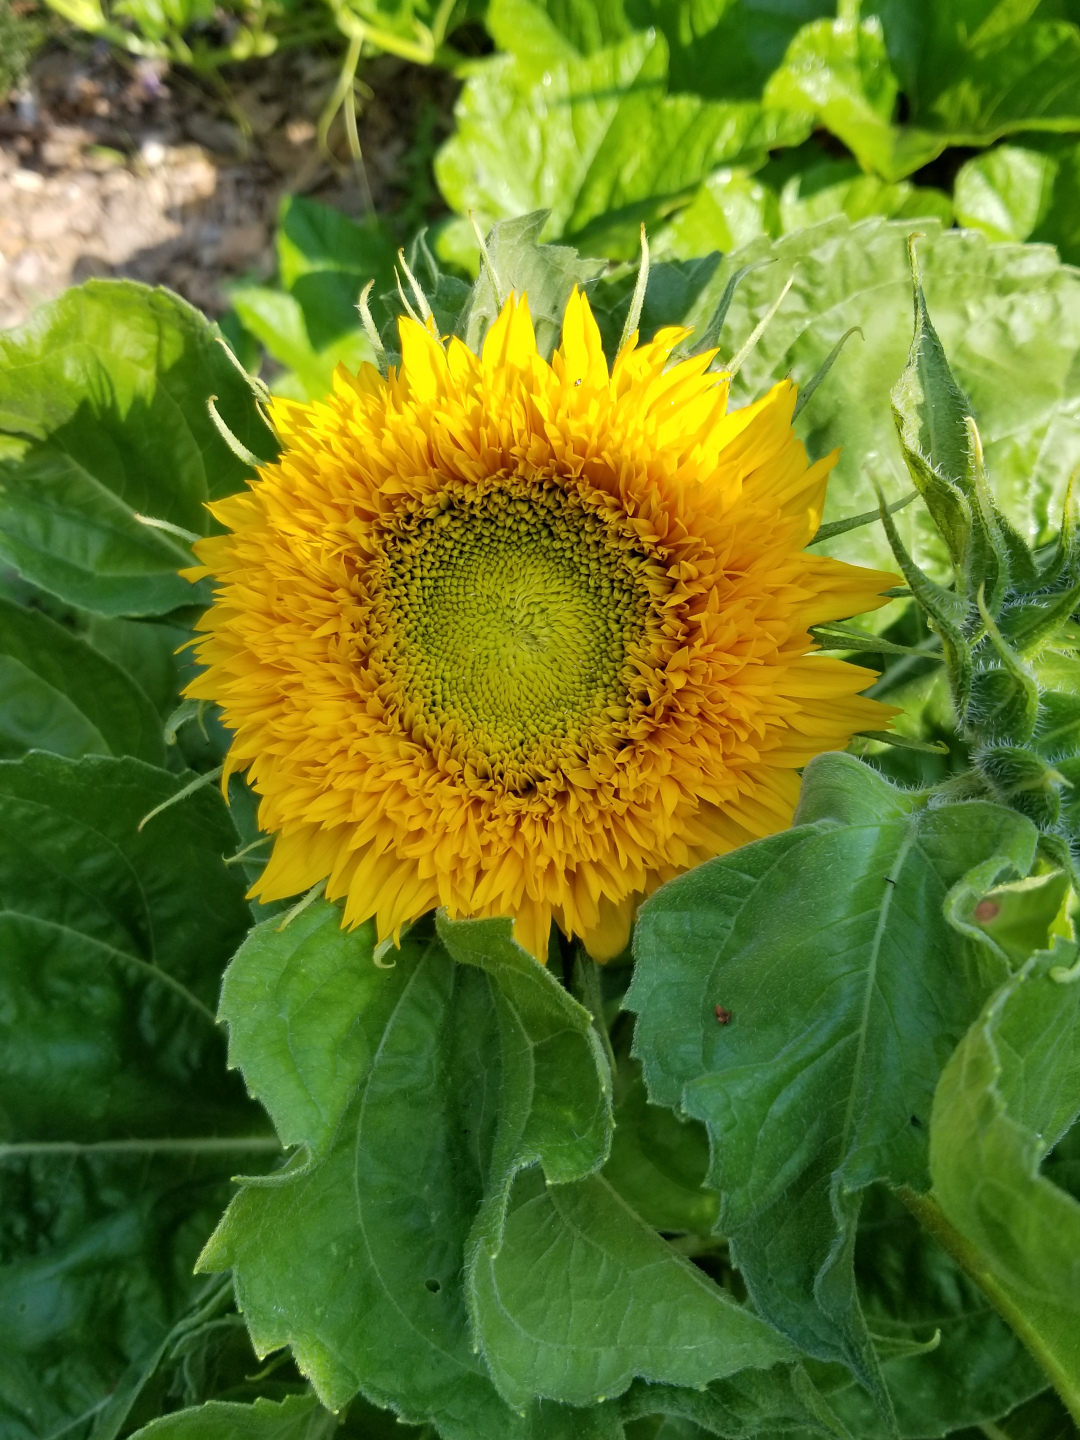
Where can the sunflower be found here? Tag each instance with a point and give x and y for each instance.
(526, 638)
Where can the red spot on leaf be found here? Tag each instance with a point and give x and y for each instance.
(987, 910)
(723, 1016)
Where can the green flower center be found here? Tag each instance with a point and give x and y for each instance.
(510, 618)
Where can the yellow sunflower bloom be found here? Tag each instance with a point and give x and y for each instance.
(525, 638)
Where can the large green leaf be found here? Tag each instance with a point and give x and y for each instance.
(104, 430)
(281, 322)
(325, 260)
(846, 996)
(1007, 1096)
(726, 49)
(1009, 320)
(1005, 192)
(304, 1006)
(356, 1259)
(583, 1296)
(840, 73)
(597, 140)
(976, 70)
(121, 1127)
(58, 693)
(72, 855)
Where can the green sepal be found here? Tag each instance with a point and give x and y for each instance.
(930, 413)
(806, 392)
(1004, 701)
(1030, 626)
(1021, 778)
(945, 609)
(1065, 561)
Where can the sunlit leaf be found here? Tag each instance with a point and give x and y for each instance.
(104, 430)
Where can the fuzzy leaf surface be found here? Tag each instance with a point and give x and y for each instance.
(555, 1102)
(583, 1296)
(305, 1007)
(355, 1258)
(846, 999)
(297, 1417)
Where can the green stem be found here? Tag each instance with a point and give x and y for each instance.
(200, 1145)
(1004, 1298)
(587, 976)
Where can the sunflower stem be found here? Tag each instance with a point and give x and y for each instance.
(589, 992)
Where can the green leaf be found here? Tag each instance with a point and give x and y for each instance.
(547, 274)
(555, 1102)
(120, 1124)
(971, 72)
(561, 27)
(71, 854)
(355, 1259)
(658, 1162)
(730, 208)
(57, 693)
(1005, 192)
(844, 1001)
(754, 1402)
(725, 49)
(837, 187)
(840, 74)
(325, 260)
(1060, 225)
(598, 141)
(1019, 917)
(305, 1006)
(297, 1417)
(103, 401)
(1008, 318)
(281, 322)
(583, 1296)
(978, 81)
(1009, 1093)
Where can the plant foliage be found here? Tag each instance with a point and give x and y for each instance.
(805, 1161)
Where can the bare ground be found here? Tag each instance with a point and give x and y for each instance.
(112, 167)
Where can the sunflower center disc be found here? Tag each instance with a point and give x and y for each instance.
(511, 617)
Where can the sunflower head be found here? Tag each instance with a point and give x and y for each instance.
(527, 638)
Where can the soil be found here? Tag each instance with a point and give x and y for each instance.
(110, 166)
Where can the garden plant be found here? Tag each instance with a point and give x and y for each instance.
(506, 638)
(540, 769)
